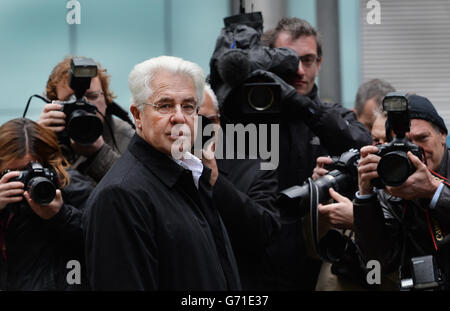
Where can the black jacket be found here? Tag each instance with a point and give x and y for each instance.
(245, 197)
(385, 226)
(329, 129)
(147, 227)
(36, 251)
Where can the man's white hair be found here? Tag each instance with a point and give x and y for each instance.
(213, 96)
(140, 78)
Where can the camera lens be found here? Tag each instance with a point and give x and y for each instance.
(394, 168)
(260, 97)
(42, 190)
(84, 127)
(333, 246)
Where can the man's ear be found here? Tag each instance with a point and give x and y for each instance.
(137, 116)
(443, 137)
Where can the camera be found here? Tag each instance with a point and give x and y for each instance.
(342, 177)
(425, 274)
(395, 167)
(299, 200)
(39, 181)
(83, 125)
(247, 77)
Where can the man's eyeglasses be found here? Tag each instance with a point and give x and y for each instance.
(308, 60)
(93, 96)
(171, 108)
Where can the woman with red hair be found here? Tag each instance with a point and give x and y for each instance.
(37, 237)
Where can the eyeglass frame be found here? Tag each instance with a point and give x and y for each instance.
(156, 106)
(313, 57)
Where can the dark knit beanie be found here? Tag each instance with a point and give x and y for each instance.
(421, 108)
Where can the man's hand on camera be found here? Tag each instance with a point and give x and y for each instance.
(87, 150)
(367, 169)
(421, 184)
(339, 214)
(52, 117)
(46, 211)
(319, 170)
(300, 105)
(10, 192)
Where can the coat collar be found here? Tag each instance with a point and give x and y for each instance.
(165, 168)
(159, 163)
(444, 167)
(314, 94)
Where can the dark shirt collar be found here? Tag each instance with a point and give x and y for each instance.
(314, 94)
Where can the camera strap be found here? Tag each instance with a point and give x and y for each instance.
(436, 232)
(29, 101)
(114, 109)
(314, 214)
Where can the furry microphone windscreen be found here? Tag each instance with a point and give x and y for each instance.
(234, 67)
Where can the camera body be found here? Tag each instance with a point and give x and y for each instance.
(425, 275)
(395, 167)
(39, 181)
(82, 123)
(342, 177)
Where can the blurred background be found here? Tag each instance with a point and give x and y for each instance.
(410, 47)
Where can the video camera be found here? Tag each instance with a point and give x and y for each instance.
(83, 125)
(248, 77)
(39, 181)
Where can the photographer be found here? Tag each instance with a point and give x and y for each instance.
(340, 213)
(96, 158)
(398, 224)
(310, 129)
(40, 216)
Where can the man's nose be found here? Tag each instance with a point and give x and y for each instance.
(177, 116)
(300, 70)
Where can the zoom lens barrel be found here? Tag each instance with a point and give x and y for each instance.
(42, 190)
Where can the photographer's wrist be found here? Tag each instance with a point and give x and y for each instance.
(363, 190)
(436, 196)
(360, 196)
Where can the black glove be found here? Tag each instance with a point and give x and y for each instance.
(300, 106)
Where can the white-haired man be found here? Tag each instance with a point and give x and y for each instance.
(150, 224)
